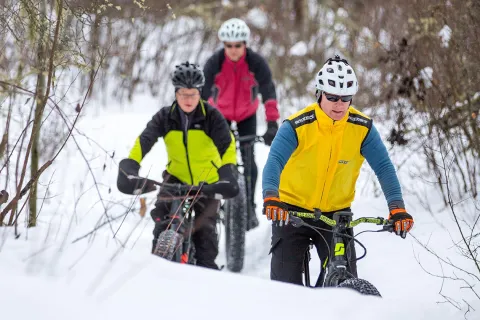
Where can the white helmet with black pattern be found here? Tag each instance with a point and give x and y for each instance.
(337, 77)
(234, 30)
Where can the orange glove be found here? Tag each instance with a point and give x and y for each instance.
(275, 210)
(402, 221)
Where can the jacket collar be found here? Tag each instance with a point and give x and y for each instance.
(324, 120)
(242, 59)
(199, 114)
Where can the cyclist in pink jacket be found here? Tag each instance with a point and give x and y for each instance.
(234, 76)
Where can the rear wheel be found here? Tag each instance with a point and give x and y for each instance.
(235, 227)
(360, 285)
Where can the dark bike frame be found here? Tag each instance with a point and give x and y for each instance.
(182, 208)
(337, 262)
(186, 255)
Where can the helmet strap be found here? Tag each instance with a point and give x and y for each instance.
(318, 95)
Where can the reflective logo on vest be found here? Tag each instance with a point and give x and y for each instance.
(359, 120)
(302, 120)
(307, 117)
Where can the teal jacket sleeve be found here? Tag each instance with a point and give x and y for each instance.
(375, 152)
(283, 146)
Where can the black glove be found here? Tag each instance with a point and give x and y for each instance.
(272, 128)
(128, 180)
(227, 184)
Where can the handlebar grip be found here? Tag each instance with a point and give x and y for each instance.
(250, 138)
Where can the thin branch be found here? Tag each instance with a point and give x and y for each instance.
(443, 260)
(452, 209)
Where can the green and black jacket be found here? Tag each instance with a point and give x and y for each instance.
(195, 150)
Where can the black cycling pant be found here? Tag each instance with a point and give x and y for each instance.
(289, 245)
(248, 127)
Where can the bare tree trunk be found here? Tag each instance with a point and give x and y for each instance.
(300, 10)
(40, 106)
(95, 46)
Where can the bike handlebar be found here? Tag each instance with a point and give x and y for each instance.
(203, 190)
(250, 138)
(387, 224)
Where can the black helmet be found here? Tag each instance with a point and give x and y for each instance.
(188, 75)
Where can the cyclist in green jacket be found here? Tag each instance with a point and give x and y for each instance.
(200, 148)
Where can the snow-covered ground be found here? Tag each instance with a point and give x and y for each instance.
(44, 274)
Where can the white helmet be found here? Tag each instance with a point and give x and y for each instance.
(234, 30)
(337, 77)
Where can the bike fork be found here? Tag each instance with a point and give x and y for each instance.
(306, 267)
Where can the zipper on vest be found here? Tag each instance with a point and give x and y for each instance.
(186, 147)
(235, 86)
(329, 158)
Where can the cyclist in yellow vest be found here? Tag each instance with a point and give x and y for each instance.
(200, 148)
(314, 163)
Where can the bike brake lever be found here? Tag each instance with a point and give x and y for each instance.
(296, 221)
(388, 228)
(132, 177)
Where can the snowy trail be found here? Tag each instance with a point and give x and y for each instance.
(111, 282)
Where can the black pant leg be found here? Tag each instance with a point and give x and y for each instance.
(289, 245)
(205, 236)
(248, 127)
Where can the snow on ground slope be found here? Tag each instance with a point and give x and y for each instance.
(111, 275)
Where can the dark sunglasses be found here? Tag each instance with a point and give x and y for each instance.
(334, 98)
(229, 46)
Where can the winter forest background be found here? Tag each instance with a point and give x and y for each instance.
(418, 63)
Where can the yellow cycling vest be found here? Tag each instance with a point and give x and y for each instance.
(323, 170)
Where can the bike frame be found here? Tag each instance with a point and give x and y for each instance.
(182, 208)
(334, 269)
(183, 211)
(337, 261)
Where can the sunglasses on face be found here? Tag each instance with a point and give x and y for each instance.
(237, 45)
(334, 98)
